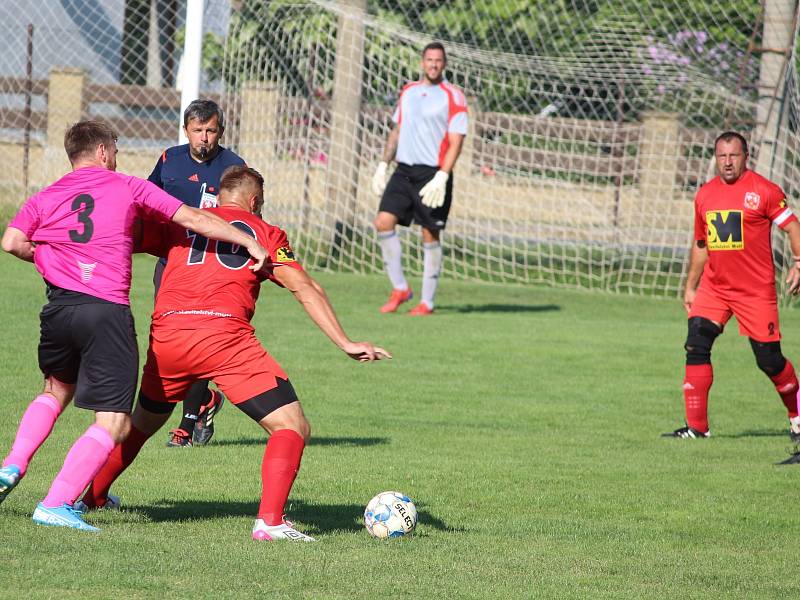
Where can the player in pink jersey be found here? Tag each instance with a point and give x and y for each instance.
(731, 272)
(204, 332)
(79, 233)
(430, 125)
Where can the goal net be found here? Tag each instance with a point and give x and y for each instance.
(591, 128)
(591, 123)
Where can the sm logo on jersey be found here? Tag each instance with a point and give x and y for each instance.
(284, 254)
(725, 230)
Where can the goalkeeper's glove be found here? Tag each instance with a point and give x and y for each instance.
(433, 192)
(379, 179)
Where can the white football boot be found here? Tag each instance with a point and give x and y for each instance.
(283, 531)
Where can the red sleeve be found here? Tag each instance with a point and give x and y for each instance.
(700, 226)
(156, 238)
(776, 207)
(280, 253)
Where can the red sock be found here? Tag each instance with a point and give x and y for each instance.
(278, 470)
(119, 459)
(786, 385)
(696, 384)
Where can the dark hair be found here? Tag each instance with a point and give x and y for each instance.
(241, 176)
(434, 46)
(84, 137)
(729, 136)
(203, 110)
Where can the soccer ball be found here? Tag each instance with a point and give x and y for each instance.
(390, 515)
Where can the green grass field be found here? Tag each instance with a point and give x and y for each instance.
(525, 423)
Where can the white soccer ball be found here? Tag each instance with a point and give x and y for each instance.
(390, 515)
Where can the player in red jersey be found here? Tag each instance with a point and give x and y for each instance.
(204, 332)
(734, 213)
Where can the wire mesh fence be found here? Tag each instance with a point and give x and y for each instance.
(591, 123)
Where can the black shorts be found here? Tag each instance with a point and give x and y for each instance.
(94, 346)
(260, 406)
(256, 408)
(401, 197)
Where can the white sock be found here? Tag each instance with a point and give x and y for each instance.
(393, 258)
(432, 254)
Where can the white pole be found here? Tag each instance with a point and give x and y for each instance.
(190, 62)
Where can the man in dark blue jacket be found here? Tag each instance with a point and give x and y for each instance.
(191, 172)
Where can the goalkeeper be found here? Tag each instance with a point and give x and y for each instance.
(430, 124)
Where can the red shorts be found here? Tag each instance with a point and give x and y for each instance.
(757, 317)
(234, 360)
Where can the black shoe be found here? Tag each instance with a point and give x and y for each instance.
(204, 428)
(179, 438)
(792, 460)
(687, 433)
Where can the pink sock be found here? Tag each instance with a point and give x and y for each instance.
(83, 462)
(35, 426)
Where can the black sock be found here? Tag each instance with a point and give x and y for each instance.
(197, 396)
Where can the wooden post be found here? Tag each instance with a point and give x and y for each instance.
(26, 139)
(346, 107)
(64, 109)
(258, 122)
(659, 152)
(777, 40)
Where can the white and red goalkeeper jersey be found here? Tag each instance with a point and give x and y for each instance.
(426, 114)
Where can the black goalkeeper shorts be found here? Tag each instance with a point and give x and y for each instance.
(401, 197)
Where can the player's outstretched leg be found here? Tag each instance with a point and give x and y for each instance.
(34, 429)
(148, 417)
(699, 376)
(432, 253)
(278, 471)
(279, 413)
(780, 370)
(83, 461)
(392, 253)
(97, 496)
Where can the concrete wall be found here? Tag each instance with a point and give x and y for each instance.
(652, 212)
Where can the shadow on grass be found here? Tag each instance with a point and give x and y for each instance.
(498, 308)
(754, 433)
(315, 441)
(319, 518)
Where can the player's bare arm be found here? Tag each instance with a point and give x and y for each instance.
(315, 302)
(17, 243)
(697, 260)
(455, 141)
(211, 226)
(793, 279)
(390, 150)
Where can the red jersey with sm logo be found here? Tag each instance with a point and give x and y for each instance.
(735, 220)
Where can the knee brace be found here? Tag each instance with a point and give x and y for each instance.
(769, 357)
(701, 336)
(160, 408)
